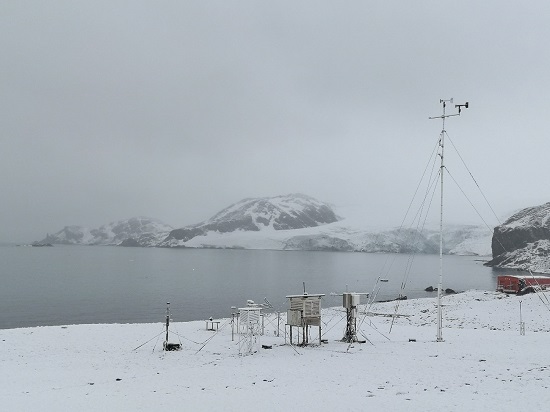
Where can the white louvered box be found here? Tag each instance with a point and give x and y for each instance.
(304, 310)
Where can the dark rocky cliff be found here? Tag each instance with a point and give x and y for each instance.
(521, 242)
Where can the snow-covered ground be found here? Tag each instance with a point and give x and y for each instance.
(484, 364)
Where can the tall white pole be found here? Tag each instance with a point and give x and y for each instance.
(440, 284)
(442, 170)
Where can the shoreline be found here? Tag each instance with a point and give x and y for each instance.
(161, 320)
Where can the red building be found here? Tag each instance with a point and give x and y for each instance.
(513, 284)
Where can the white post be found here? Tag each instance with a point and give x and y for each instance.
(440, 283)
(232, 327)
(442, 169)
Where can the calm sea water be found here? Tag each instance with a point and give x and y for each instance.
(92, 284)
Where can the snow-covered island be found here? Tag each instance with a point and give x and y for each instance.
(290, 222)
(300, 222)
(484, 364)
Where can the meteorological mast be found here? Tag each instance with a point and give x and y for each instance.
(441, 154)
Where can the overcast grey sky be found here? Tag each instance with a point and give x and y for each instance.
(176, 109)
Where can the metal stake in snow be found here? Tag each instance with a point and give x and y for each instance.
(442, 145)
(234, 315)
(521, 322)
(167, 321)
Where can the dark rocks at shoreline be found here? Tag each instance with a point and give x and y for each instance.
(448, 291)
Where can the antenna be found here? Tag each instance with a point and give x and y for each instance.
(442, 145)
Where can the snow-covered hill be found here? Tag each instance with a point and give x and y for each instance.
(291, 222)
(125, 232)
(70, 235)
(523, 241)
(299, 222)
(290, 212)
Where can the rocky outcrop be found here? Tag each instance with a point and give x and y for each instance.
(130, 243)
(522, 241)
